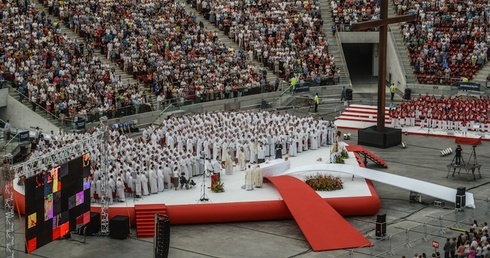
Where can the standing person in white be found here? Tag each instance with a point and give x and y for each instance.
(120, 191)
(160, 182)
(137, 185)
(153, 181)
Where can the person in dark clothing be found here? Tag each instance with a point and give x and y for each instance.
(457, 157)
(278, 150)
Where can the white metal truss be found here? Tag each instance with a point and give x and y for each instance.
(58, 156)
(9, 210)
(67, 153)
(104, 186)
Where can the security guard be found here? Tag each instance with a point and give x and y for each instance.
(317, 101)
(392, 91)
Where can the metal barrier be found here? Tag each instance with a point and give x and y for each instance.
(410, 238)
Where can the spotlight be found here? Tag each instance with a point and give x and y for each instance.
(346, 136)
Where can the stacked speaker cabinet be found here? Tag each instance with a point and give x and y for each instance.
(460, 198)
(119, 227)
(161, 240)
(381, 226)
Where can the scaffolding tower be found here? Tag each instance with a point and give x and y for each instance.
(8, 199)
(104, 182)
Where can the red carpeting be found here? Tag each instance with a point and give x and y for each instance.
(323, 227)
(471, 141)
(145, 218)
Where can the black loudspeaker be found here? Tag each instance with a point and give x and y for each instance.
(93, 227)
(348, 94)
(408, 93)
(461, 191)
(381, 225)
(162, 236)
(119, 227)
(460, 198)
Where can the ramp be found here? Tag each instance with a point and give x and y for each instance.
(322, 226)
(419, 186)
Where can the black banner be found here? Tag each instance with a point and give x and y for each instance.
(80, 124)
(468, 86)
(301, 88)
(24, 136)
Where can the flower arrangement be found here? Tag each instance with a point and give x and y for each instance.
(339, 159)
(321, 182)
(218, 187)
(344, 154)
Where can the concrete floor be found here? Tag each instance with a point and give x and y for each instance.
(407, 222)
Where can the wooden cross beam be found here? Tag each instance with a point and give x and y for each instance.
(382, 23)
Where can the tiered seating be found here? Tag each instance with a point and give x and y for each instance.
(446, 42)
(444, 113)
(284, 36)
(163, 46)
(58, 73)
(344, 13)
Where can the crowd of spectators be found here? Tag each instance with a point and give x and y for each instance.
(55, 72)
(285, 36)
(345, 13)
(448, 40)
(162, 45)
(446, 113)
(472, 243)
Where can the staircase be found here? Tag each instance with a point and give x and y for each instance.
(359, 159)
(334, 44)
(125, 77)
(367, 155)
(271, 77)
(145, 218)
(401, 47)
(39, 110)
(481, 75)
(363, 113)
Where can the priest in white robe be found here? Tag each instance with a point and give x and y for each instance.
(160, 179)
(121, 197)
(241, 159)
(167, 176)
(249, 179)
(137, 184)
(257, 177)
(229, 164)
(144, 184)
(153, 181)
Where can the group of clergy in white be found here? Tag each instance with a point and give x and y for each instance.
(193, 145)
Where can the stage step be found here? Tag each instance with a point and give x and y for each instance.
(367, 154)
(359, 160)
(145, 218)
(365, 107)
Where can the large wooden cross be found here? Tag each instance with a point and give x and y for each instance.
(382, 23)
